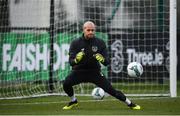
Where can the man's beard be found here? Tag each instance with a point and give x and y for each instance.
(89, 36)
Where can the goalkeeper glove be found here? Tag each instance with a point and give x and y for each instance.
(99, 58)
(79, 57)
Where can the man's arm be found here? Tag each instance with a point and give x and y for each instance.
(105, 54)
(102, 56)
(72, 53)
(75, 56)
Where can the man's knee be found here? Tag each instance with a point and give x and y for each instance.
(66, 84)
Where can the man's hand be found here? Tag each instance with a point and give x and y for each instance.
(79, 57)
(99, 58)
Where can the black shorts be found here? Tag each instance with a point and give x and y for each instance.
(96, 77)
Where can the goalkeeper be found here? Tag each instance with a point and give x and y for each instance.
(85, 55)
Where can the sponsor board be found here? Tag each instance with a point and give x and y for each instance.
(26, 56)
(152, 53)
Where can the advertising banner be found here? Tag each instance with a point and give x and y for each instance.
(151, 50)
(26, 56)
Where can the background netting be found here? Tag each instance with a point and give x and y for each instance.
(134, 30)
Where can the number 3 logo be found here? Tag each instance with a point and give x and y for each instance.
(117, 60)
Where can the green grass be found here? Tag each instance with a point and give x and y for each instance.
(52, 105)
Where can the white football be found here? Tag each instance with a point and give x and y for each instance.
(134, 69)
(98, 93)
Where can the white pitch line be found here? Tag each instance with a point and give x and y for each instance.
(40, 103)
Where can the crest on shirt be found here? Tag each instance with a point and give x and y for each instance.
(94, 48)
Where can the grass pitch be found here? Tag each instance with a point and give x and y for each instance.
(52, 105)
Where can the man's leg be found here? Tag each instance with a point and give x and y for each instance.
(68, 84)
(102, 82)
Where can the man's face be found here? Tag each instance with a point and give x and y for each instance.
(89, 31)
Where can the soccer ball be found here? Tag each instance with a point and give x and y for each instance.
(98, 93)
(134, 69)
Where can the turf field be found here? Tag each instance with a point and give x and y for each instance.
(52, 105)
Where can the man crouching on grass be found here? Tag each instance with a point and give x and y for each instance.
(85, 56)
